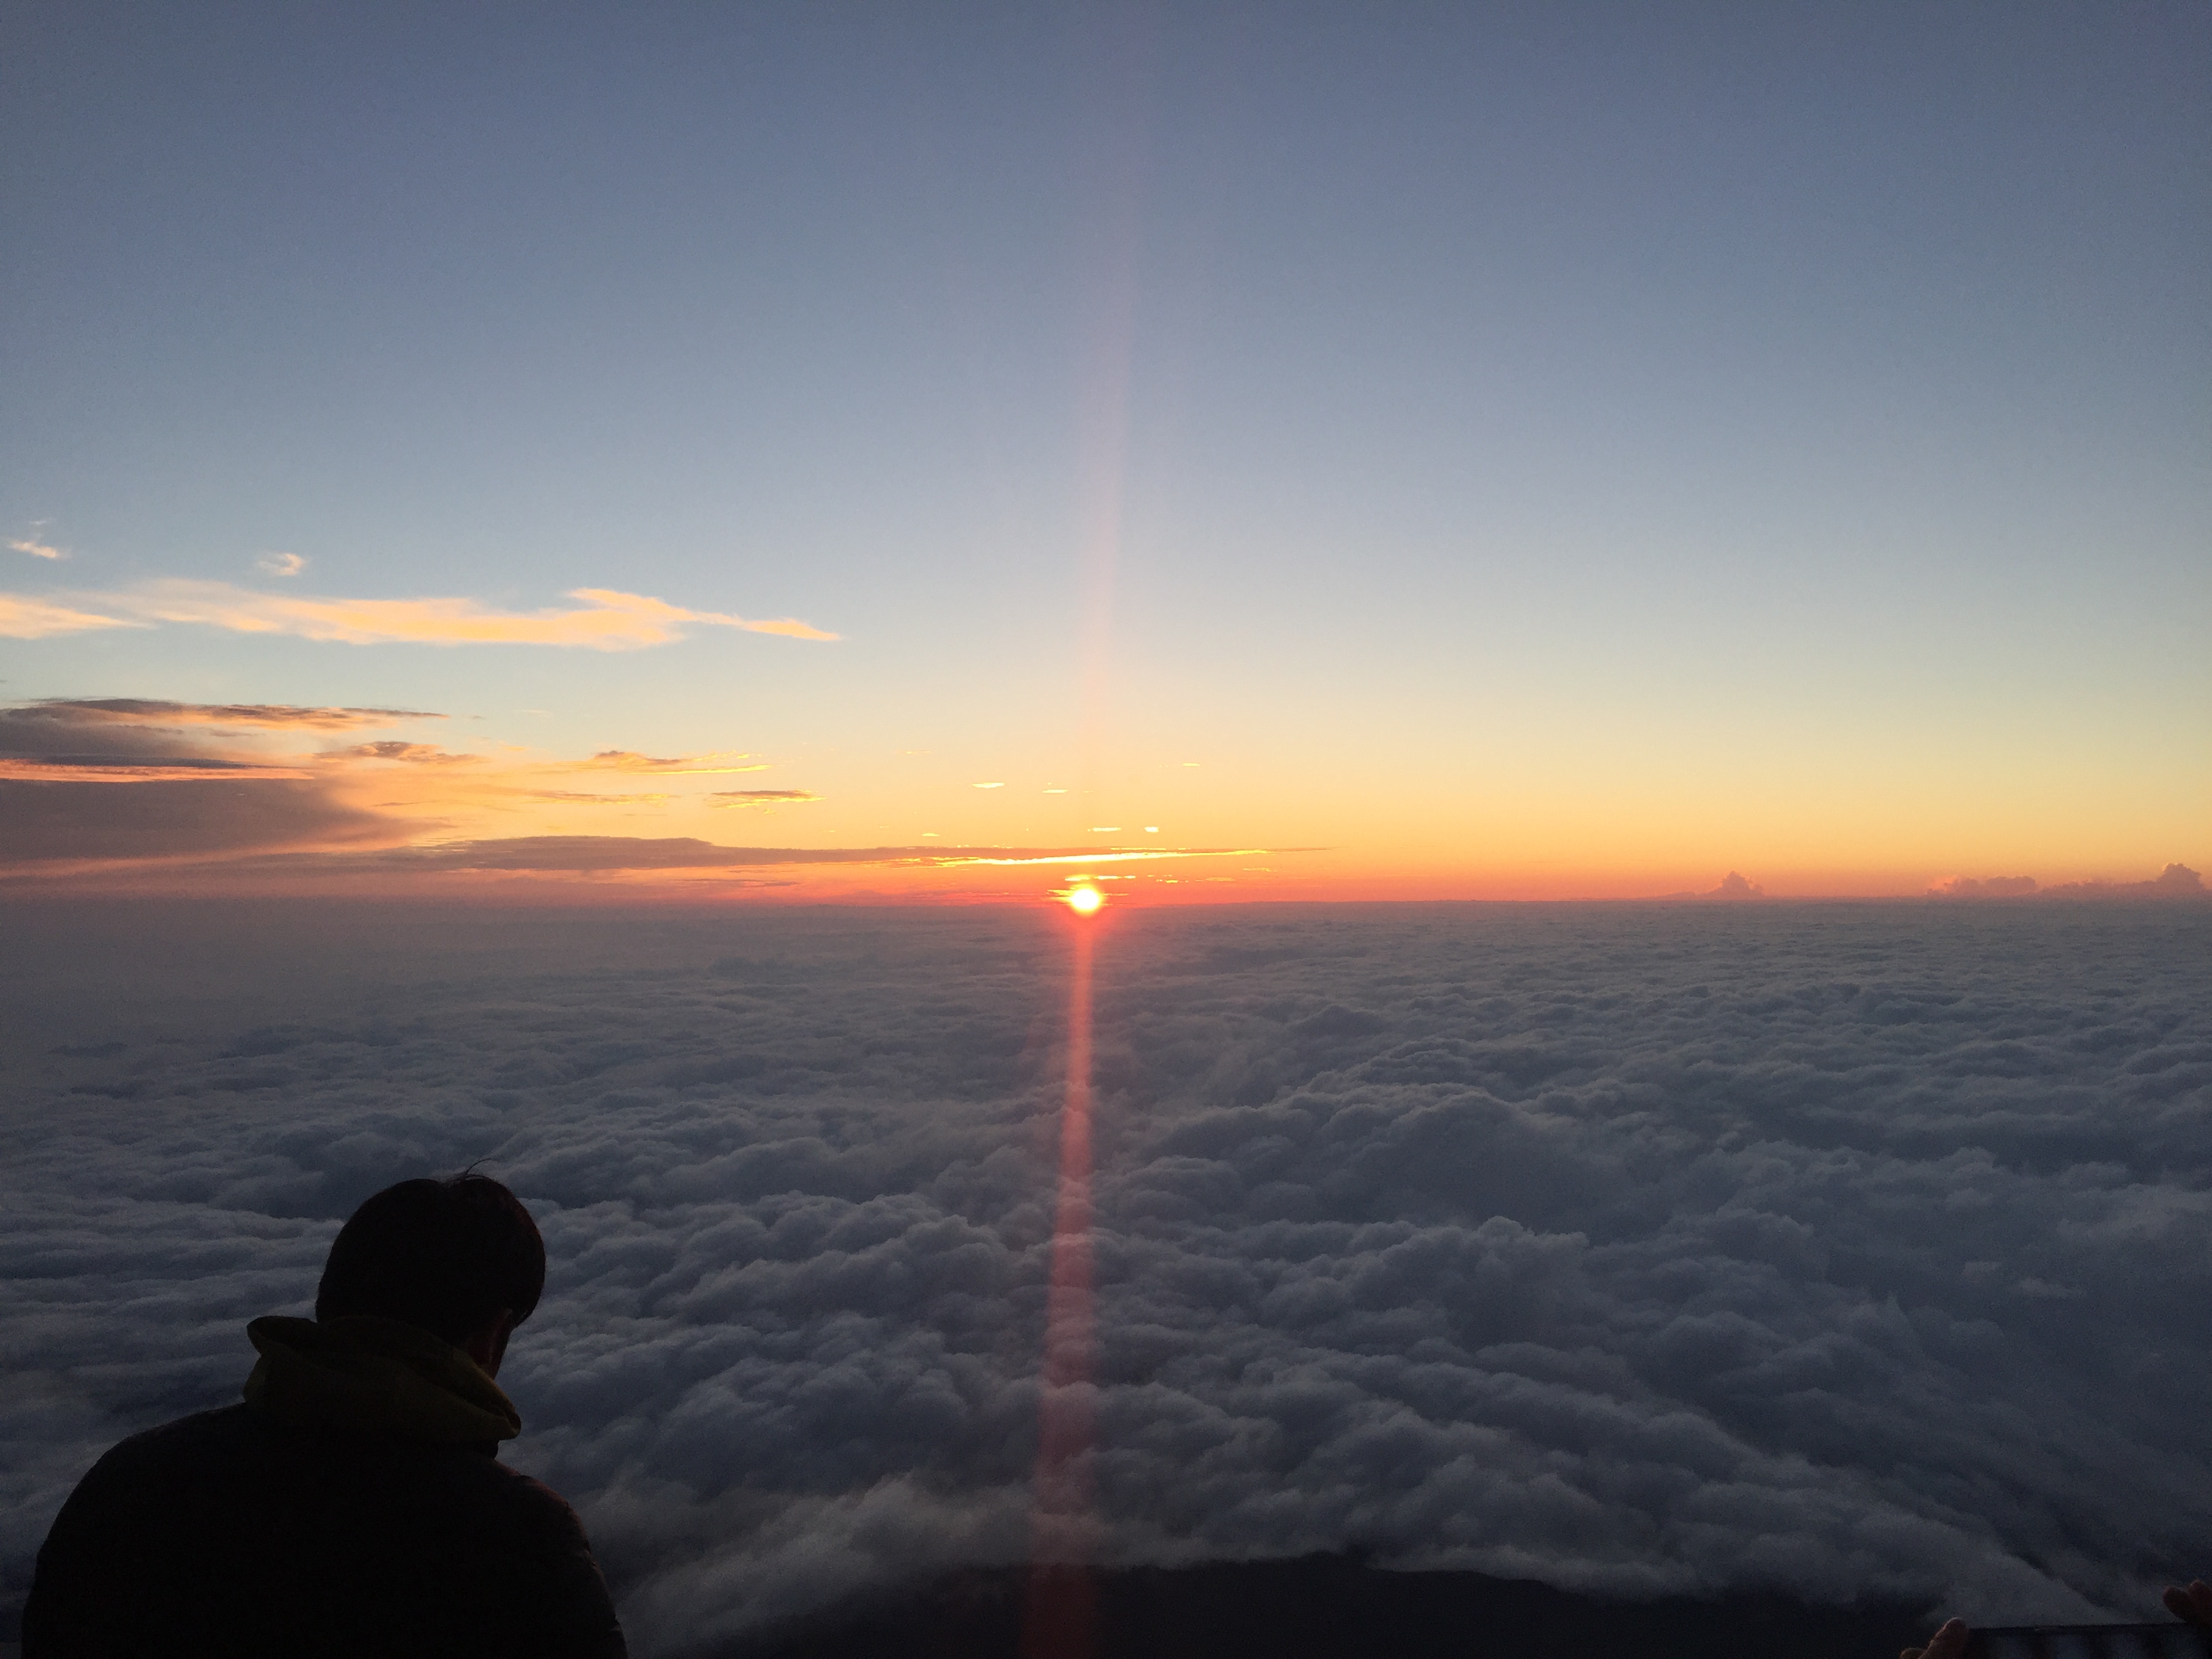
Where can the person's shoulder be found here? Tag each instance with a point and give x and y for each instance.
(139, 1482)
(471, 1479)
(540, 1541)
(222, 1424)
(525, 1496)
(184, 1442)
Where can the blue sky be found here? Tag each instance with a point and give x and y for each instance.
(1492, 405)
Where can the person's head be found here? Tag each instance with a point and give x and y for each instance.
(460, 1258)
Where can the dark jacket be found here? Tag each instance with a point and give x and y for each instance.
(353, 1506)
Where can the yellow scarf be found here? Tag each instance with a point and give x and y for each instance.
(373, 1375)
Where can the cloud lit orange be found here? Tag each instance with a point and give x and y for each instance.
(627, 760)
(761, 797)
(22, 618)
(608, 620)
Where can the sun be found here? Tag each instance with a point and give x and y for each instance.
(1085, 901)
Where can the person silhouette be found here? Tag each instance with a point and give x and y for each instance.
(354, 1503)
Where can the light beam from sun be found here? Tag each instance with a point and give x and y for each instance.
(1059, 1620)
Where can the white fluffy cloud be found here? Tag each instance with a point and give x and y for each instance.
(1847, 1249)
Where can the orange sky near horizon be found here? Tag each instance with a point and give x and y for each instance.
(280, 799)
(150, 796)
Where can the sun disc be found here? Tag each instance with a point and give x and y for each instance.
(1085, 901)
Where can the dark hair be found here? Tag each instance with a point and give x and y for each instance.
(443, 1254)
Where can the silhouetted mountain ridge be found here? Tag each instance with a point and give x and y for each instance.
(1339, 1607)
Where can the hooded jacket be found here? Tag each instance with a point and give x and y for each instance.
(353, 1506)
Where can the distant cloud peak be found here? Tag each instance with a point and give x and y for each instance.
(280, 564)
(2175, 881)
(1984, 887)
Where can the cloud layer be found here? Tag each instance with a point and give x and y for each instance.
(1852, 1248)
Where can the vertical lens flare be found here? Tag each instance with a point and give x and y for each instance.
(1058, 1622)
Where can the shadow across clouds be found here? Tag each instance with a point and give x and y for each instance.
(170, 819)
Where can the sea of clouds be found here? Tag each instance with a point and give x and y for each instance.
(1852, 1249)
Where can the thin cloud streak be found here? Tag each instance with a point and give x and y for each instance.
(38, 549)
(629, 760)
(1146, 856)
(606, 620)
(584, 855)
(585, 798)
(22, 618)
(140, 711)
(62, 769)
(584, 852)
(407, 754)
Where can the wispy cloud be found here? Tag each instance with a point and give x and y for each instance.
(411, 754)
(626, 760)
(760, 797)
(604, 620)
(955, 856)
(280, 564)
(584, 853)
(22, 618)
(38, 549)
(585, 797)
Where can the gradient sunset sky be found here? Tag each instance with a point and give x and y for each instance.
(1379, 451)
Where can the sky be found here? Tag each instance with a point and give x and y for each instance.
(1832, 1250)
(1306, 451)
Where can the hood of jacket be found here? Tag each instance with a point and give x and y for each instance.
(367, 1376)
